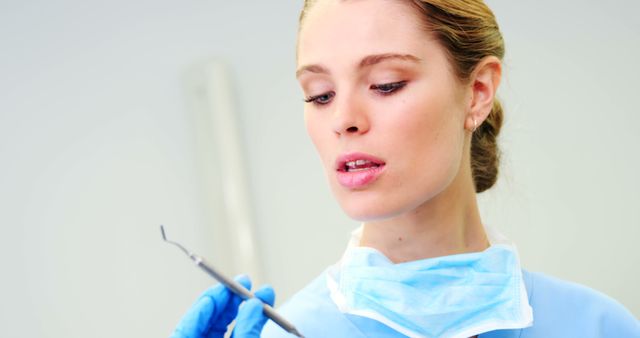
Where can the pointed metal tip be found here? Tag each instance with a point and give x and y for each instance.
(164, 236)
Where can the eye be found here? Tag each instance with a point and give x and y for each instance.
(321, 99)
(388, 88)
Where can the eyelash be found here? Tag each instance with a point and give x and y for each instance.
(388, 88)
(382, 89)
(316, 99)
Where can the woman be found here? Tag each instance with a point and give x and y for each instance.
(400, 104)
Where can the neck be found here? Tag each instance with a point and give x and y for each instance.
(447, 224)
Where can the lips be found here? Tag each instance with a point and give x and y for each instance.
(357, 170)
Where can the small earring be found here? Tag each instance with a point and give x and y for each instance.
(475, 125)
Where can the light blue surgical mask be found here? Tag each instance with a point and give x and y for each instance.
(447, 297)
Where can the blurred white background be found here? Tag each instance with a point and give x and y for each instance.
(100, 143)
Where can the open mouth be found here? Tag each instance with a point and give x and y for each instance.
(359, 165)
(358, 170)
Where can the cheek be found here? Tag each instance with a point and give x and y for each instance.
(424, 125)
(316, 129)
(428, 137)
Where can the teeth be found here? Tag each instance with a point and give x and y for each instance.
(359, 165)
(353, 164)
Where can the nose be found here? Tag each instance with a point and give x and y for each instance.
(350, 117)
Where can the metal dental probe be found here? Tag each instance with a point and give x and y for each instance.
(234, 286)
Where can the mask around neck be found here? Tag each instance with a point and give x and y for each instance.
(455, 296)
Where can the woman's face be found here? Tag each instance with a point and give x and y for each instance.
(384, 109)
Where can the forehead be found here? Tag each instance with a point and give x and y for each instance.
(344, 30)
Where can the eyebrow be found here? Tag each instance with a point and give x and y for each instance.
(365, 62)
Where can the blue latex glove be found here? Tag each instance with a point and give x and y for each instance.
(217, 307)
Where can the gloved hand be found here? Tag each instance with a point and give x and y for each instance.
(216, 308)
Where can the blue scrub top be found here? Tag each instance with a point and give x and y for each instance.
(560, 309)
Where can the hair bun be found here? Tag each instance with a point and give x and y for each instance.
(485, 156)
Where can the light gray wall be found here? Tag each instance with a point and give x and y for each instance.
(98, 147)
(569, 191)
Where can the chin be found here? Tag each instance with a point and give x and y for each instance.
(367, 209)
(385, 200)
(369, 206)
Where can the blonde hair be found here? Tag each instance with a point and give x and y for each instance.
(468, 31)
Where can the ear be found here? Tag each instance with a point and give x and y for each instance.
(484, 83)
